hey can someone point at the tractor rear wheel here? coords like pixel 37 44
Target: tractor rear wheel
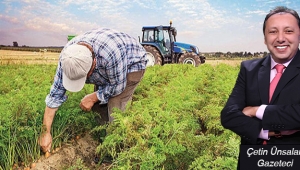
pixel 153 56
pixel 189 58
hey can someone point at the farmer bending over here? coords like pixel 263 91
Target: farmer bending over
pixel 114 61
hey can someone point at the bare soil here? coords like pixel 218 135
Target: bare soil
pixel 82 149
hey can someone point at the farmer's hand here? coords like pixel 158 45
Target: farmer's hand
pixel 45 141
pixel 250 111
pixel 88 101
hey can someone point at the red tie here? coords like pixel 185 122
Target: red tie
pixel 279 68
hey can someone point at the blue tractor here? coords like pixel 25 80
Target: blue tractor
pixel 162 48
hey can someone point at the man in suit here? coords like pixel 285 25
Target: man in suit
pixel 249 112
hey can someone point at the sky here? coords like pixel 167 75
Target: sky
pixel 212 25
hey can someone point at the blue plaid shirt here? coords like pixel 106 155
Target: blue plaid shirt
pixel 116 55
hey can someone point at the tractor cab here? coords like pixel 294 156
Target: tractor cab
pixel 162 38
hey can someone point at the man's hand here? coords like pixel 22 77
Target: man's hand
pixel 88 101
pixel 250 111
pixel 45 141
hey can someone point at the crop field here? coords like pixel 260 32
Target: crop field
pixel 29 57
pixel 172 122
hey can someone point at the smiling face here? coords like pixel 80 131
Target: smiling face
pixel 282 36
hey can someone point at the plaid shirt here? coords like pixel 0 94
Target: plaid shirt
pixel 116 55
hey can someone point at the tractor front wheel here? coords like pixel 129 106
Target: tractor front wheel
pixel 189 58
pixel 153 56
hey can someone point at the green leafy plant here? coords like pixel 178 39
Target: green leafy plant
pixel 173 121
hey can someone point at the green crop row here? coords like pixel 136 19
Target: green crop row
pixel 173 121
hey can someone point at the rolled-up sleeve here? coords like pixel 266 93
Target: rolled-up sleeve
pixel 57 92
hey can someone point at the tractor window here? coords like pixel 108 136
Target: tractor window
pixel 167 40
pixel 160 35
pixel 148 36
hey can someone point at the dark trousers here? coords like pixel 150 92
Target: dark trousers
pixel 119 101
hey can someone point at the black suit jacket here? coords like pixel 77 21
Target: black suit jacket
pixel 252 89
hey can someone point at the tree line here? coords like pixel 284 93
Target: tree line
pixel 235 55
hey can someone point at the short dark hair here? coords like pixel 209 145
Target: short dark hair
pixel 281 9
